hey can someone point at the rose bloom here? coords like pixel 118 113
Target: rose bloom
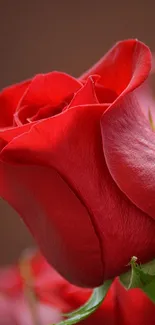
pixel 54 296
pixel 77 164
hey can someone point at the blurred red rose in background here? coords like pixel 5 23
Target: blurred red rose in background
pixel 87 197
pixel 53 295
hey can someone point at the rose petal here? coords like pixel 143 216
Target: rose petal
pixel 9 98
pixel 46 111
pixel 50 88
pixel 129 144
pixel 86 95
pixel 9 134
pixel 121 64
pixel 104 95
pixel 45 89
pixel 54 215
pixel 146 95
pixel 129 148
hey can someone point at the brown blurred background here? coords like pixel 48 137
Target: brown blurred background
pixel 42 35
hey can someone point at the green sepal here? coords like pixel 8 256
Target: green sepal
pixel 141 276
pixel 89 307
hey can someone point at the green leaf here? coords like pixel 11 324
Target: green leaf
pixel 141 276
pixel 89 307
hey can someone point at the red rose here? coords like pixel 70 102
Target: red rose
pixel 87 199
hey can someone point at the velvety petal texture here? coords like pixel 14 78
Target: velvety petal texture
pixel 78 166
pixel 43 193
pixel 129 147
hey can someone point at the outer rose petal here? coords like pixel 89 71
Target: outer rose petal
pixel 129 148
pixel 146 95
pixel 9 99
pixel 146 99
pixel 121 64
pixel 54 215
pixel 71 143
pixel 8 134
